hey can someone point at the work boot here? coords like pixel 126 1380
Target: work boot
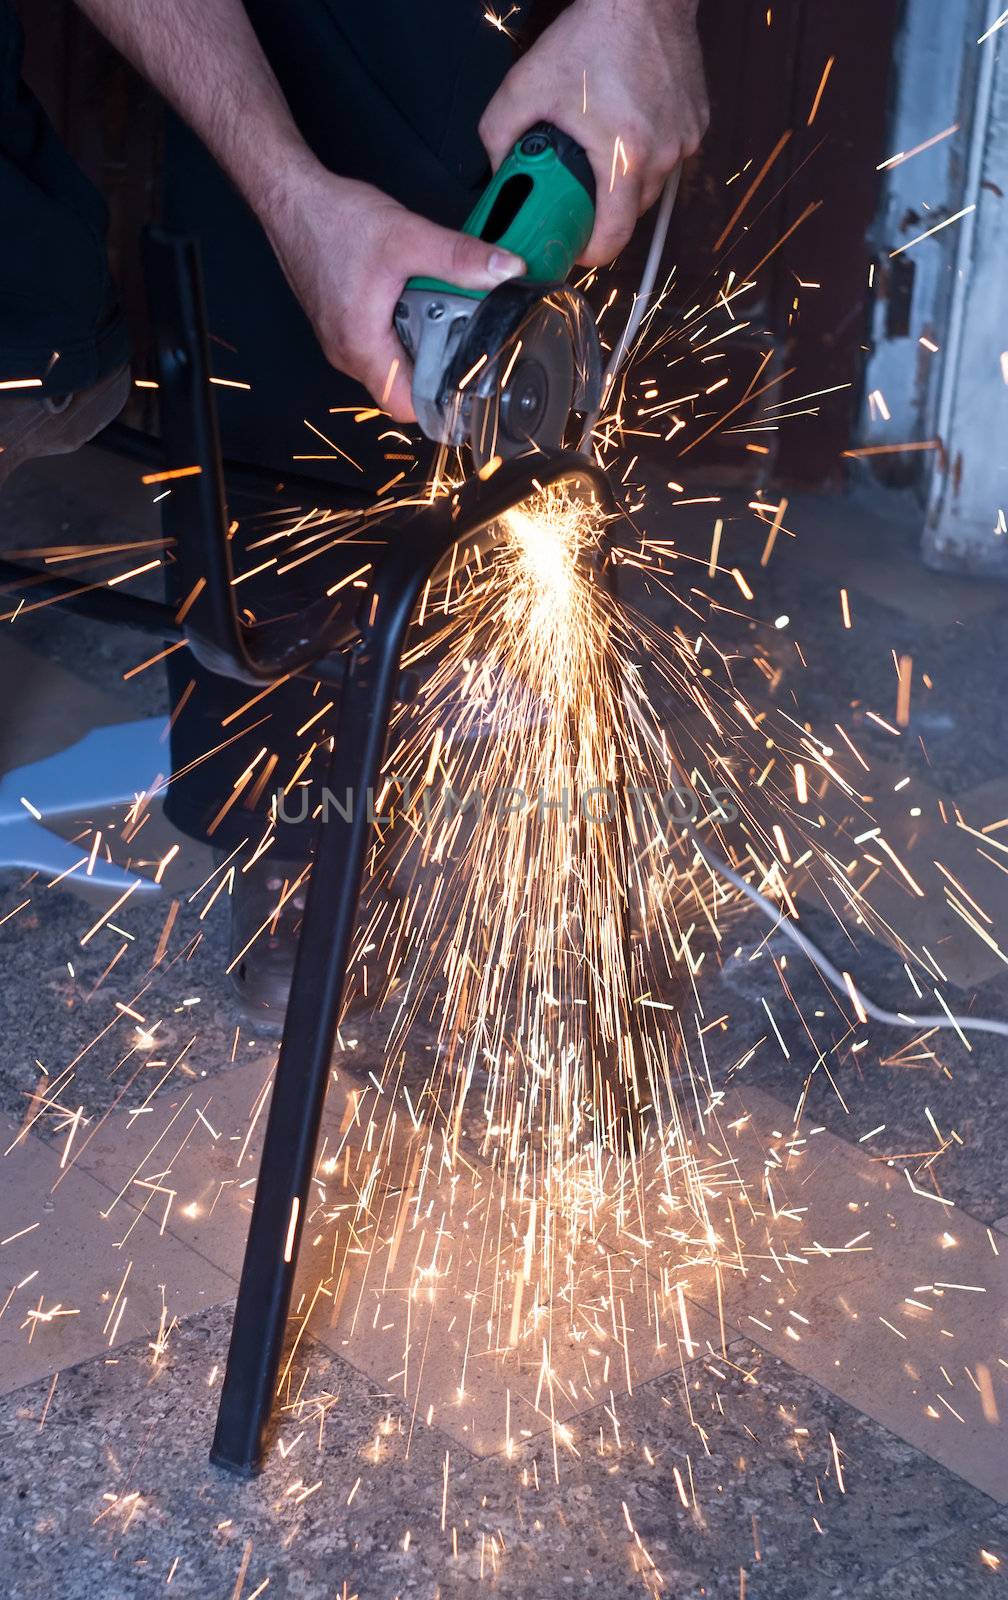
pixel 48 425
pixel 261 977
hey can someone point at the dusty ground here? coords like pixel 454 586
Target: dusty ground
pixel 105 1488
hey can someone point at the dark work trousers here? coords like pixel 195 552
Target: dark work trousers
pixel 389 93
pixel 59 316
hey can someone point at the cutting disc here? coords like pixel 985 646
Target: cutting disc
pixel 524 401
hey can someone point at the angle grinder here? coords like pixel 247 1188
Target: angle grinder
pixel 504 369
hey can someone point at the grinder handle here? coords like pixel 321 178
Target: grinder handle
pixel 539 204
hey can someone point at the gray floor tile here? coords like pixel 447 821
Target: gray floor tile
pixel 113 1492
pixel 971 1562
pixel 75 1279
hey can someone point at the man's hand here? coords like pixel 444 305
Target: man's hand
pixel 347 250
pixel 623 77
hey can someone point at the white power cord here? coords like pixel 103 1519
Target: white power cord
pixel 898 1019
pixel 640 304
pixel 832 974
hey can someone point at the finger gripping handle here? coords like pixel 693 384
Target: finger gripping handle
pixel 539 204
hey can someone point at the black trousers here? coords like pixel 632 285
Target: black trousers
pixel 388 93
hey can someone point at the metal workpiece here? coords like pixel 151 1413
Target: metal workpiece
pixel 372 673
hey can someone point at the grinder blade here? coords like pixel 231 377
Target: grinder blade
pixel 529 406
pixel 526 359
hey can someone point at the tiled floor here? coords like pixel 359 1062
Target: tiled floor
pixel 833 1428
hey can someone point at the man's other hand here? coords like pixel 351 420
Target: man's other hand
pixel 347 251
pixel 623 77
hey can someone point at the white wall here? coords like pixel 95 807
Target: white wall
pixel 960 283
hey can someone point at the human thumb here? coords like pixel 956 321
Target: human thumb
pixel 458 258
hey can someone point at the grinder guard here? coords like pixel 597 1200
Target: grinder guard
pixel 520 327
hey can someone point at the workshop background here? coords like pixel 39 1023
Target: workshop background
pixel 899 69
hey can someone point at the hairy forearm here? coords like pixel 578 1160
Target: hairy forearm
pixel 345 247
pixel 204 58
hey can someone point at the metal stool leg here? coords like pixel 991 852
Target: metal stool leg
pixel 288 1157
pixel 302 1073
pixel 615 1076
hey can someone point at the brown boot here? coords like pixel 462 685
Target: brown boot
pixel 47 426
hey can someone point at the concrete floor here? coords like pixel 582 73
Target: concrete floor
pixel 817 1438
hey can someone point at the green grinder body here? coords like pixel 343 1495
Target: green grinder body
pixel 503 368
pixel 540 205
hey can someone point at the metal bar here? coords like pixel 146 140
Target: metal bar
pixel 288 1158
pixel 241 476
pixel 623 1081
pixel 302 1075
pixel 93 600
pixel 195 515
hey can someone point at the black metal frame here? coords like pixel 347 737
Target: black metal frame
pixel 357 645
